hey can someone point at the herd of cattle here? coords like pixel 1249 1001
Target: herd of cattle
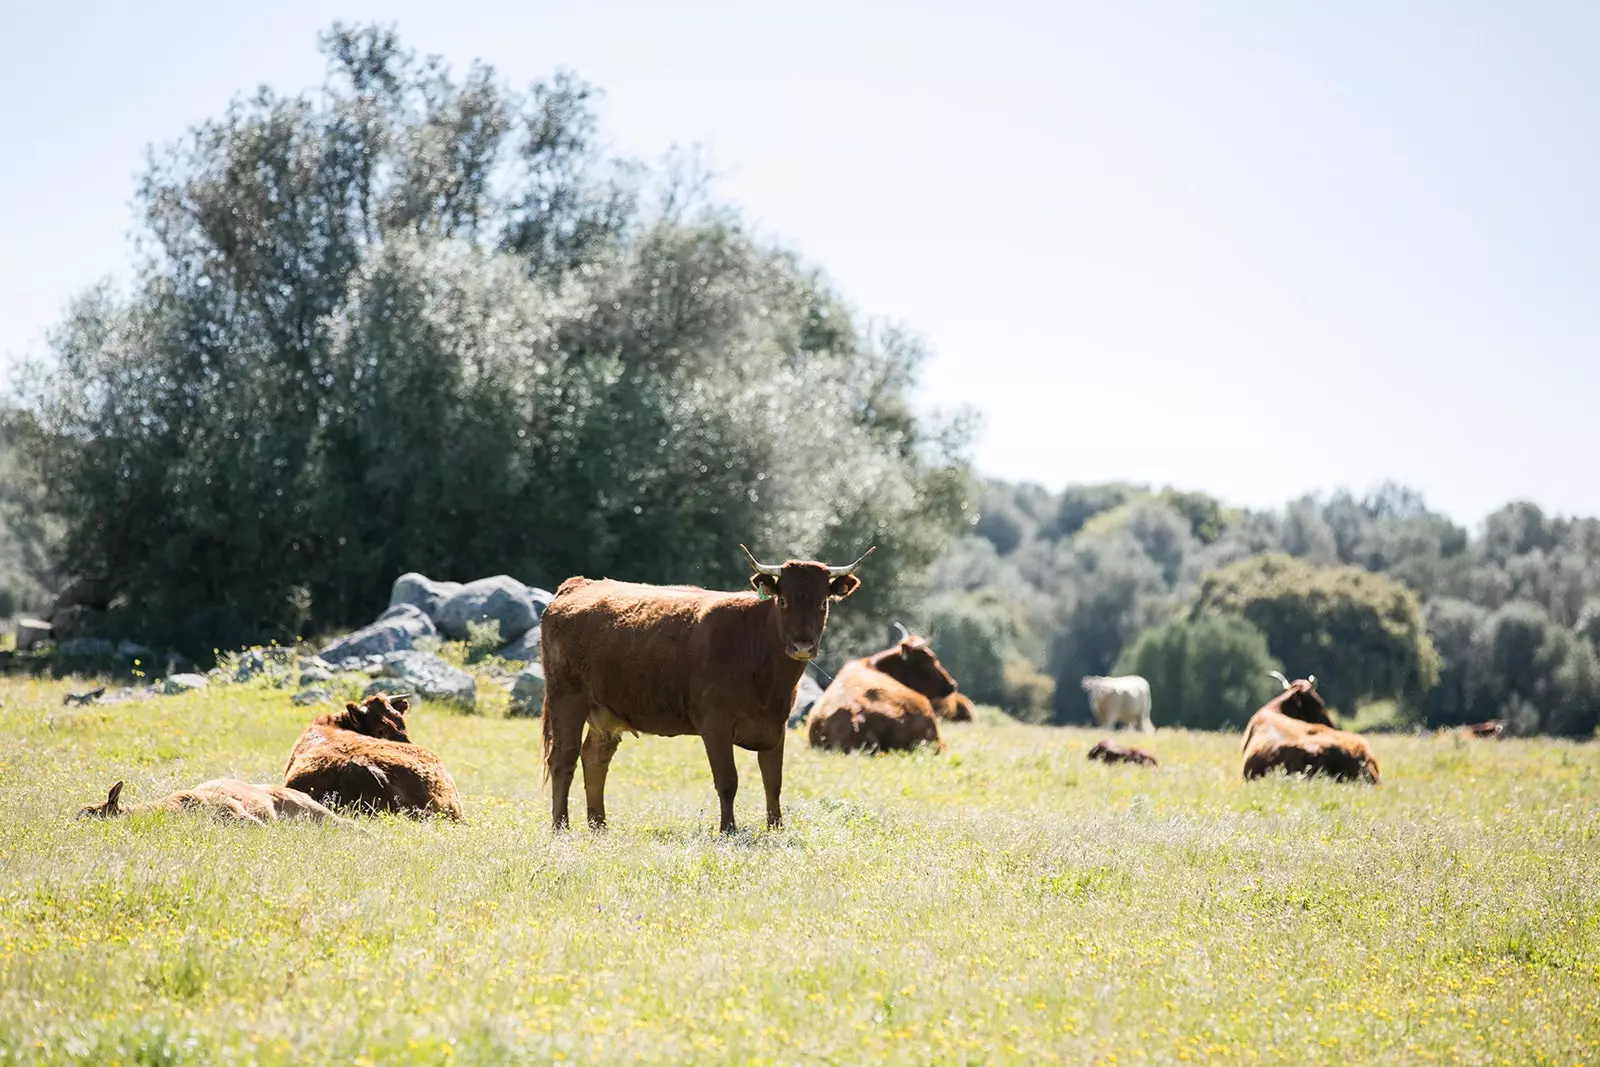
pixel 623 658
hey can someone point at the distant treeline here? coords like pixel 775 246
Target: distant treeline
pixel 421 321
pixel 1379 597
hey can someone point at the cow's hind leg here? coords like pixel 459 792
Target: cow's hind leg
pixel 598 748
pixel 564 719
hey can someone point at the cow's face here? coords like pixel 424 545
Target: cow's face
pixel 913 664
pixel 378 716
pixel 108 810
pixel 800 592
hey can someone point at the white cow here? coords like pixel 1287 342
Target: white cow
pixel 1123 700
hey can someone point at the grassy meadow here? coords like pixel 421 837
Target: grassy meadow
pixel 1004 902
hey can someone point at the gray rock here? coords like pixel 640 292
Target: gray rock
pixel 500 599
pixel 524 649
pixel 254 662
pixel 71 621
pixel 134 650
pixel 311 696
pixel 422 592
pixel 807 693
pixel 541 599
pixel 183 683
pixel 426 676
pixel 315 662
pixel 31 633
pixel 315 676
pixel 126 693
pixel 86 648
pixel 400 631
pixel 527 692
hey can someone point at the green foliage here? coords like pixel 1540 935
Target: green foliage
pixel 483 640
pixel 978 639
pixel 1363 635
pixel 419 322
pixel 1205 673
pixel 28 533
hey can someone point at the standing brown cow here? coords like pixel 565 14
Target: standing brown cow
pixel 1293 732
pixel 674 660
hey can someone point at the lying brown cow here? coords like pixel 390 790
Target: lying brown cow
pixel 362 757
pixel 884 702
pixel 228 799
pixel 1111 752
pixel 1293 731
pixel 954 708
pixel 1492 728
pixel 674 660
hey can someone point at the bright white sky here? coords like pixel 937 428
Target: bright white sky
pixel 1256 249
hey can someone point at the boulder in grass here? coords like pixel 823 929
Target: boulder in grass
pixel 527 693
pixel 307 697
pixel 31 633
pixel 807 693
pixel 524 649
pixel 422 592
pixel 183 683
pixel 399 630
pixel 426 676
pixel 501 599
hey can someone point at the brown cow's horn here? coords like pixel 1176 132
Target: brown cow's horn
pixel 761 568
pixel 1279 677
pixel 1312 679
pixel 905 634
pixel 840 572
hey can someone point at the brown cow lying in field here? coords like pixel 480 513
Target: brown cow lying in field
pixel 1492 728
pixel 362 757
pixel 228 799
pixel 884 701
pixel 957 707
pixel 1293 731
pixel 1111 752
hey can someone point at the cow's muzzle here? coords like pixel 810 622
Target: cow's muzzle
pixel 804 651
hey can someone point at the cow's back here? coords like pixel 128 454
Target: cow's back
pixel 639 650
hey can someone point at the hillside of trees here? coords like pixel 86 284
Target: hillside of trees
pixel 416 320
pixel 1379 597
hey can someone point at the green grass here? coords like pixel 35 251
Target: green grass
pixel 1004 902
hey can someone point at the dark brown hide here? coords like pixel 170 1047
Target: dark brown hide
pixel 954 708
pixel 863 708
pixel 361 757
pixel 228 799
pixel 913 664
pixel 1111 752
pixel 1273 740
pixel 675 660
pixel 1300 701
pixel 1492 728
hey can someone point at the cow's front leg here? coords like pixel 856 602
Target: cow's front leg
pixel 771 763
pixel 719 750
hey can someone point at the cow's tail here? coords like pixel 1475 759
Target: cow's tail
pixel 549 738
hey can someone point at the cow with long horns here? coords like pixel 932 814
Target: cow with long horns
pixel 621 657
pixel 1293 732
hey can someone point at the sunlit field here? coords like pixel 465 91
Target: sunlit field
pixel 1004 902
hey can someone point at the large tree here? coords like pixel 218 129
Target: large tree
pixel 1362 634
pixel 416 321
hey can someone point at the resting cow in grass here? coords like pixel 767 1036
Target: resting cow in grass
pixel 228 799
pixel 621 657
pixel 362 757
pixel 1123 700
pixel 884 702
pixel 1111 752
pixel 1293 732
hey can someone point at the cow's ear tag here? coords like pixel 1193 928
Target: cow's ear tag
pixel 762 593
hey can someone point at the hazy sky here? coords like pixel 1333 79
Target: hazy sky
pixel 1257 249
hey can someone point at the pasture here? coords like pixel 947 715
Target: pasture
pixel 1004 902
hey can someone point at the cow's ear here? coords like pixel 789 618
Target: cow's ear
pixel 400 704
pixel 112 797
pixel 765 585
pixel 905 649
pixel 843 586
